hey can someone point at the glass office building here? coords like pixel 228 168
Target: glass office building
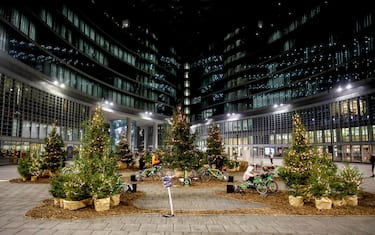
pixel 57 64
pixel 320 63
pixel 58 61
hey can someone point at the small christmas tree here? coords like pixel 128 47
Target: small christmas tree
pixel 299 160
pixel 215 149
pixel 124 154
pixel 54 155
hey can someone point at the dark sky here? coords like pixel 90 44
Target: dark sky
pixel 191 24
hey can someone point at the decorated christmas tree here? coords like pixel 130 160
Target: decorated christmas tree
pixel 94 172
pixel 123 152
pixel 181 151
pixel 215 149
pixel 100 164
pixel 299 161
pixel 54 155
pixel 97 141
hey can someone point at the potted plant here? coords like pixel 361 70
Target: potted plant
pixel 322 174
pixel 101 190
pixel 23 168
pixel 295 182
pixel 337 192
pixel 76 191
pixel 57 188
pixel 352 179
pixel 320 190
pixel 118 184
pixel 36 167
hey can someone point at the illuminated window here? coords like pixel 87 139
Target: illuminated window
pixel 187 110
pixel 345 134
pixel 187 92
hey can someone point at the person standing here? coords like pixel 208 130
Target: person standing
pixel 155 160
pixel 141 162
pixel 220 163
pixel 372 161
pixel 271 157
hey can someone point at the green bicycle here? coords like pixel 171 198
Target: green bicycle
pixel 256 184
pixel 155 172
pixel 207 173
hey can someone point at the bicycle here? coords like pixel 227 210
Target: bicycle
pixel 154 172
pixel 126 187
pixel 207 173
pixel 257 184
pixel 186 180
pixel 267 178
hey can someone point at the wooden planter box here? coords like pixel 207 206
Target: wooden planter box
pixel 115 199
pixel 74 205
pixel 102 204
pixel 351 200
pixel 296 201
pixel 323 203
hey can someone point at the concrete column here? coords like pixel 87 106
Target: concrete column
pixel 129 131
pixel 155 136
pixel 145 139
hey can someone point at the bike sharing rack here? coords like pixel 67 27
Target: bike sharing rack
pixel 167 183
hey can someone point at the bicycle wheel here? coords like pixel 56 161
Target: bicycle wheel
pixel 138 177
pixel 224 176
pixel 187 181
pixel 261 188
pixel 238 189
pixel 272 186
pixel 206 176
pixel 195 175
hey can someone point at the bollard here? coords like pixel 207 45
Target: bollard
pixel 132 178
pixel 230 178
pixel 134 188
pixel 230 188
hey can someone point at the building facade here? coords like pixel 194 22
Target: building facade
pixel 56 64
pixel 320 63
pixel 58 60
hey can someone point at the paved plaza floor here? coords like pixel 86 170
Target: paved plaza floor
pixel 16 199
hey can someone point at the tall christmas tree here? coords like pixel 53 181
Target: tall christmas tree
pixel 97 141
pixel 54 155
pixel 181 151
pixel 95 170
pixel 123 152
pixel 299 161
pixel 215 149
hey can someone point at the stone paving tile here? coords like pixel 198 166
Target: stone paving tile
pixel 82 232
pixel 164 228
pixel 44 232
pixel 16 199
pixel 100 233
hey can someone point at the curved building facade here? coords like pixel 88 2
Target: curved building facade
pixel 57 63
pixel 319 63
